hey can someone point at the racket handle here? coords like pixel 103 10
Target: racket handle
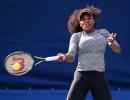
pixel 52 58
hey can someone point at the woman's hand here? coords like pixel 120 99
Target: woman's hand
pixel 61 57
pixel 65 57
pixel 114 46
pixel 111 39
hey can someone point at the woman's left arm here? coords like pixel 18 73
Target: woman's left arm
pixel 113 44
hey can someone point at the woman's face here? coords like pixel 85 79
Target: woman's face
pixel 87 23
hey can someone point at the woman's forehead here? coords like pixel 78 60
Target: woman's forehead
pixel 86 15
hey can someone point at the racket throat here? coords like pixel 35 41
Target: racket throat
pixel 40 62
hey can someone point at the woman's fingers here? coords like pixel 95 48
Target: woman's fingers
pixel 111 38
pixel 61 57
pixel 113 35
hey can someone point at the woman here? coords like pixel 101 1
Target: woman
pixel 89 43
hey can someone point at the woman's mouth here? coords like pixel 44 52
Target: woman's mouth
pixel 87 25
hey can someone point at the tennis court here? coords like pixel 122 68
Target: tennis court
pixel 52 95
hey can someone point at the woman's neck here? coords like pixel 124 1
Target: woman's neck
pixel 89 31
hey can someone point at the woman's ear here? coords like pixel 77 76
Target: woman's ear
pixel 94 22
pixel 80 23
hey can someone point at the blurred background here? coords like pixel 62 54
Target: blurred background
pixel 39 27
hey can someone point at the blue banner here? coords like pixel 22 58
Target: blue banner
pixel 40 28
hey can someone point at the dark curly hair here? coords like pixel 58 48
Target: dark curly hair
pixel 73 21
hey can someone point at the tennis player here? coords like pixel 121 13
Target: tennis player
pixel 90 44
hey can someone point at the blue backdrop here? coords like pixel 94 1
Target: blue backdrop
pixel 40 28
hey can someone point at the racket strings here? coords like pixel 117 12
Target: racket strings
pixel 28 62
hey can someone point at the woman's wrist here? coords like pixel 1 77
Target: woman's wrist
pixel 68 57
pixel 110 44
pixel 115 47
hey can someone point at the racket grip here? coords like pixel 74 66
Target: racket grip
pixel 52 58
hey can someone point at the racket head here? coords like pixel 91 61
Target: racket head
pixel 25 60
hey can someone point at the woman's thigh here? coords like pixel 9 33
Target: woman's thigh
pixel 100 88
pixel 79 87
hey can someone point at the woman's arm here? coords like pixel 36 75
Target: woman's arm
pixel 65 57
pixel 73 45
pixel 115 47
pixel 113 44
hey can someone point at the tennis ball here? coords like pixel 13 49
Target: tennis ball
pixel 16 67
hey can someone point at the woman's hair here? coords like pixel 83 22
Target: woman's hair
pixel 73 22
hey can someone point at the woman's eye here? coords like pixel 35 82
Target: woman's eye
pixel 83 19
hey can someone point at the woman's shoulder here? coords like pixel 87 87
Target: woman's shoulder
pixel 104 32
pixel 78 34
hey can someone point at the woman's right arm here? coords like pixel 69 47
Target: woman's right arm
pixel 65 57
pixel 73 45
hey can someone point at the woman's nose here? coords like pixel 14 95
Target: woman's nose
pixel 86 21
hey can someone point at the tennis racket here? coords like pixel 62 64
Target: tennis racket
pixel 20 62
